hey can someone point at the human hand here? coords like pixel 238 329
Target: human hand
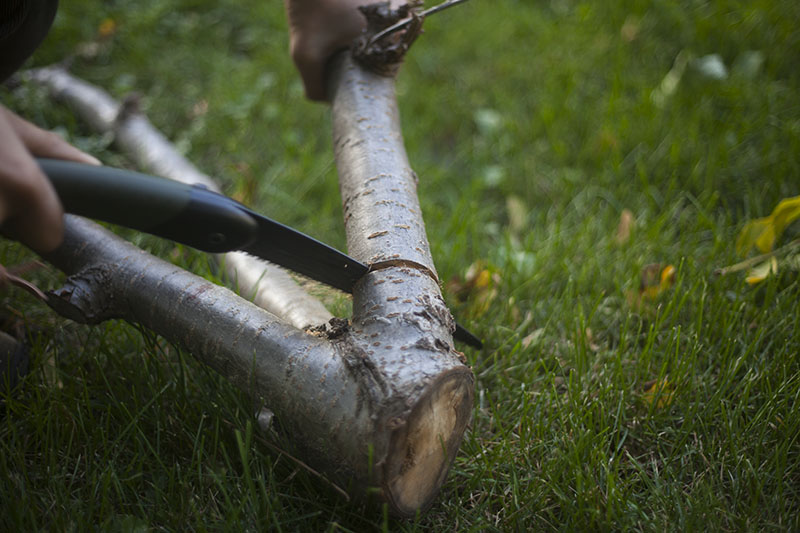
pixel 317 30
pixel 30 210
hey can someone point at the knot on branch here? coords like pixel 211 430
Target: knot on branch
pixel 130 106
pixel 83 299
pixel 381 49
pixel 334 328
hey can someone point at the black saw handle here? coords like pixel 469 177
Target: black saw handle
pixel 188 214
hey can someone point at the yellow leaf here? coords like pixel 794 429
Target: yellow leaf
pixel 787 211
pixel 655 280
pixel 660 391
pixel 667 277
pixel 479 286
pixel 107 28
pixel 763 232
pixel 763 271
pixel 766 240
pixel 750 233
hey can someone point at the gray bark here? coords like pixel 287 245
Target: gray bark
pixel 381 402
pixel 399 303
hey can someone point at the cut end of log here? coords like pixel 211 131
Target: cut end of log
pixel 423 449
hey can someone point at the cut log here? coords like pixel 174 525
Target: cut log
pixel 399 301
pixel 342 406
pixel 379 403
pixel 357 411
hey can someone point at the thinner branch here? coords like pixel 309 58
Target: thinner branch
pixel 748 263
pixel 404 23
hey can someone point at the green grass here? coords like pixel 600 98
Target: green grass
pixel 542 106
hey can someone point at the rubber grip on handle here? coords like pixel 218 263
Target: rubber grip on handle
pixel 191 215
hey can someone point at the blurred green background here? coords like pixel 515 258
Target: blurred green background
pixel 533 126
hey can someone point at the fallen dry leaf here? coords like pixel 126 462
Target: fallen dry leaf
pixel 626 222
pixel 655 279
pixel 532 337
pixel 107 28
pixel 630 28
pixel 763 232
pixel 479 287
pixel 660 391
pixel 590 340
pixel 517 214
pixel 761 272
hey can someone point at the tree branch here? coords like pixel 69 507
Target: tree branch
pixel 399 303
pixel 382 402
pixel 266 284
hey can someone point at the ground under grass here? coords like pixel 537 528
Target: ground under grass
pixel 562 147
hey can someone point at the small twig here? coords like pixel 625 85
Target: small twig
pixel 9 275
pixel 404 23
pixel 747 263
